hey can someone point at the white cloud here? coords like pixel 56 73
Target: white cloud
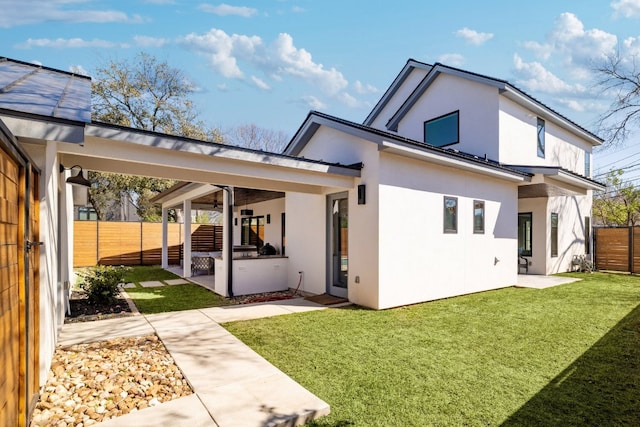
pixel 452 59
pixel 281 58
pixel 20 12
pixel 349 100
pixel 145 41
pixel 226 10
pixel 297 9
pixel 260 83
pixel 534 77
pixel 363 89
pixel 67 43
pixel 632 46
pixel 473 37
pixel 79 69
pixel 222 87
pixel 626 8
pixel 313 103
pixel 580 46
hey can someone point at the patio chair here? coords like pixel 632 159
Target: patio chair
pixel 523 263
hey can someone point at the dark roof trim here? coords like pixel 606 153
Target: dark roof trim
pixel 559 171
pixel 393 88
pixel 316 119
pixel 502 85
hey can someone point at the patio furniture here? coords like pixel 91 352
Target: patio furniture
pixel 202 264
pixel 523 263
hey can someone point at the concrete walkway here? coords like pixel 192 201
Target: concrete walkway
pixel 233 385
pixel 537 281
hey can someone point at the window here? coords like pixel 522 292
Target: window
pixel 540 138
pixel 525 221
pixel 443 130
pixel 87 214
pixel 478 217
pixel 252 232
pixel 450 214
pixel 587 235
pixel 587 164
pixel 554 234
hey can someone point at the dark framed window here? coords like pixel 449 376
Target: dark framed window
pixel 587 235
pixel 478 217
pixel 450 214
pixel 252 232
pixel 587 164
pixel 541 131
pixel 554 234
pixel 443 130
pixel 525 226
pixel 87 214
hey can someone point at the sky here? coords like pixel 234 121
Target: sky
pixel 269 62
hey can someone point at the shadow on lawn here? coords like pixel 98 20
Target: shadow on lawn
pixel 602 387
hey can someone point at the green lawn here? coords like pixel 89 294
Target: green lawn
pixel 568 355
pixel 168 298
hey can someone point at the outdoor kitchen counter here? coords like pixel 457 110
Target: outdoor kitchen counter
pixel 253 275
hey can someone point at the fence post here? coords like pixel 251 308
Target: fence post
pixel 97 241
pixel 630 228
pixel 141 236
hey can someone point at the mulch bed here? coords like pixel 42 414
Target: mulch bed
pixel 83 310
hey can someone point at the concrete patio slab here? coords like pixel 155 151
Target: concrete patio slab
pixel 541 282
pixel 101 330
pixel 184 412
pixel 177 282
pixel 128 285
pixel 151 284
pixel 234 313
pixel 177 319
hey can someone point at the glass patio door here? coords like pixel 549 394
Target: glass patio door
pixel 338 244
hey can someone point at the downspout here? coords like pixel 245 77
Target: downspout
pixel 229 255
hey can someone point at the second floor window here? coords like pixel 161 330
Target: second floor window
pixel 443 130
pixel 587 164
pixel 540 138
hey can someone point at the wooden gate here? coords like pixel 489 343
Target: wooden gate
pixel 19 284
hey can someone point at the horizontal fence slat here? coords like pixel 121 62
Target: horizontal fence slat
pixel 136 243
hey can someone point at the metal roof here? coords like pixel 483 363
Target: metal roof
pixel 31 88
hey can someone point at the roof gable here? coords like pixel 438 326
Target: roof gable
pixel 504 87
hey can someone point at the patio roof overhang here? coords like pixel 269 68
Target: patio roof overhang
pixel 108 148
pixel 555 181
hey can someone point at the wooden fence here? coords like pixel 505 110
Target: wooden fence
pixel 617 248
pixel 137 243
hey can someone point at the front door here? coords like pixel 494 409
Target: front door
pixel 338 222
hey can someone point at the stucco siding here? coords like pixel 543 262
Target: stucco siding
pixel 518 141
pixel 571 234
pixel 419 262
pixel 478 106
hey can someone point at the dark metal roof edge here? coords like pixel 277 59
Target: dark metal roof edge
pixel 447 152
pixel 234 147
pixel 30 64
pixel 41 117
pixel 393 88
pixel 559 168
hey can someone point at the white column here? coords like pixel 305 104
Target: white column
pixel 227 250
pixel 186 253
pixel 165 238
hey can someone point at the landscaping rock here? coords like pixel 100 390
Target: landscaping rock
pixel 90 383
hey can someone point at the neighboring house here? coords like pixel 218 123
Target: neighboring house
pixel 448 179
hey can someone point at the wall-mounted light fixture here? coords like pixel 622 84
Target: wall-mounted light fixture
pixel 79 179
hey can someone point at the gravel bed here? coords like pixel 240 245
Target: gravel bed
pixel 90 383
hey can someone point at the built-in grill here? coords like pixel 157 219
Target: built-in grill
pixel 245 251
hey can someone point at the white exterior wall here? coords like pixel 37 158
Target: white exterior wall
pixel 307 220
pixel 272 231
pixel 519 140
pixel 403 92
pixel 57 233
pixel 478 106
pixel 571 234
pixel 419 262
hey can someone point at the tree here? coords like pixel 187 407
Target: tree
pixel 145 94
pixel 620 77
pixel 257 138
pixel 619 204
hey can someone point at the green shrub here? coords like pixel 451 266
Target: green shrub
pixel 101 282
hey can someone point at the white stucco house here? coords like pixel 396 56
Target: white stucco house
pixel 449 179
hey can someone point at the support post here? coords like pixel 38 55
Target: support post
pixel 165 237
pixel 186 260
